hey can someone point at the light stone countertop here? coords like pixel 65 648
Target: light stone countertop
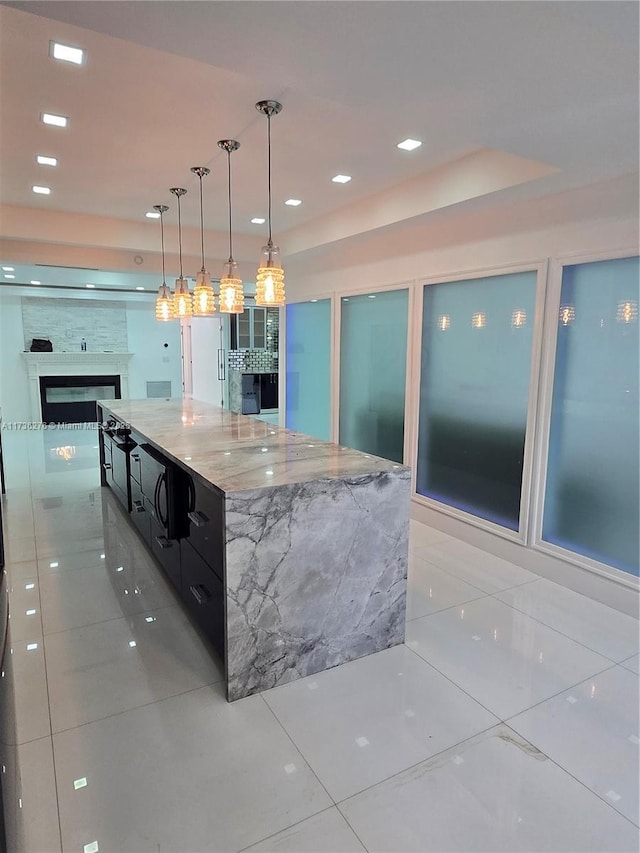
pixel 237 452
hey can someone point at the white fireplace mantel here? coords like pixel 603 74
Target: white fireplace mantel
pixel 74 364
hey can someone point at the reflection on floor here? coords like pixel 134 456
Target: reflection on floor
pixel 508 721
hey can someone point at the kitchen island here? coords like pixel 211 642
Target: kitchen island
pixel 291 552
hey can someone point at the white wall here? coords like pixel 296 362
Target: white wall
pixel 152 360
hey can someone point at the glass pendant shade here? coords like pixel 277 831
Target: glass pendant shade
pixel 164 304
pixel 204 302
pixel 270 278
pixel 231 293
pixel 182 304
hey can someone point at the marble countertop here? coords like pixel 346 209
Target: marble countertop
pixel 237 452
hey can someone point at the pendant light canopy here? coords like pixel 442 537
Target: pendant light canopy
pixel 182 304
pixel 204 303
pixel 164 301
pixel 231 293
pixel 270 278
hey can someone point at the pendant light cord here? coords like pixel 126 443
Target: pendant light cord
pixel 201 224
pixel 164 280
pixel 269 171
pixel 230 236
pixel 179 234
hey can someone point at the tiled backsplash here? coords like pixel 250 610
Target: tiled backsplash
pixel 260 360
pixel 65 322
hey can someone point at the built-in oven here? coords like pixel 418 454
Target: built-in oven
pixel 118 445
pixel 164 497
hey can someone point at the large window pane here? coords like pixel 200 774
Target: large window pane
pixel 309 368
pixel 591 503
pixel 373 363
pixel 474 390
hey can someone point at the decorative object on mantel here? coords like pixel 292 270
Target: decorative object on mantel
pixel 41 345
pixel 164 302
pixel 270 278
pixel 182 305
pixel 231 292
pixel 204 303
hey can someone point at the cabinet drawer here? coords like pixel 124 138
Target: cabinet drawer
pixel 136 471
pixel 203 594
pixel 206 526
pixel 166 551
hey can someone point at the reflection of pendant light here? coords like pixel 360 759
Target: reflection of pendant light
pixel 627 311
pixel 231 299
pixel 182 306
pixel 204 303
pixel 444 322
pixel 164 302
pixel 270 278
pixel 479 320
pixel 567 314
pixel 518 318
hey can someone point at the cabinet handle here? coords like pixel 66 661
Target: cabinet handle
pixel 200 593
pixel 135 456
pixel 198 518
pixel 163 542
pixel 138 506
pixel 106 465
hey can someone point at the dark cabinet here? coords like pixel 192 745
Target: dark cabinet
pixel 203 592
pixel 166 551
pixel 206 525
pixel 268 391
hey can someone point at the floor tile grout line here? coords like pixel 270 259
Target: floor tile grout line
pixel 557 630
pixel 448 607
pixel 286 829
pixel 569 773
pixel 111 619
pixel 304 757
pixel 137 707
pixel 524 710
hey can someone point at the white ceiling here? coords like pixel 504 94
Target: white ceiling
pixel 554 83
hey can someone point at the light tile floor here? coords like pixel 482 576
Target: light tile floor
pixel 507 722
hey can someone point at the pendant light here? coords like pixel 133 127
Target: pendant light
pixel 204 303
pixel 164 301
pixel 182 305
pixel 270 278
pixel 231 298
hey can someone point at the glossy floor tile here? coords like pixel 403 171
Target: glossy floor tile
pixel 430 589
pixel 503 658
pixel 147 755
pixel 494 793
pixel 318 834
pixel 98 593
pixel 146 657
pixel 193 772
pixel 479 568
pixel 362 722
pixel 593 731
pixel 600 628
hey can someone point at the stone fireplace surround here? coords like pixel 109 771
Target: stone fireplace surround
pixel 73 364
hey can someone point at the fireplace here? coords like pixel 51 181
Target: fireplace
pixel 77 370
pixel 72 399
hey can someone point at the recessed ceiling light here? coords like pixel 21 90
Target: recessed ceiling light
pixel 139 288
pixel 52 118
pixel 341 179
pixel 8 269
pixel 90 285
pixel 293 202
pixel 46 161
pixel 66 53
pixel 35 282
pixel 258 220
pixel 409 144
pixel 42 190
pixel 151 214
pixel 8 275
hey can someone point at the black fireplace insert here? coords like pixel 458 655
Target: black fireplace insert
pixel 72 399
